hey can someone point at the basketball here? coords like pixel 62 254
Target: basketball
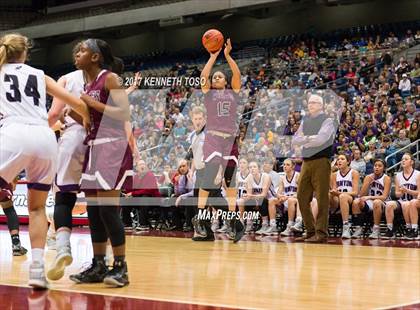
pixel 265 154
pixel 212 40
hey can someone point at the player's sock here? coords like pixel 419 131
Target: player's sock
pixel 63 238
pixel 38 255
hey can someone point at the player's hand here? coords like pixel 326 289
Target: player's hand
pixel 370 179
pixel 403 189
pixel 228 48
pixel 215 54
pixel 86 99
pixel 364 198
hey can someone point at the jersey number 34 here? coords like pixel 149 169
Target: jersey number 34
pixel 31 88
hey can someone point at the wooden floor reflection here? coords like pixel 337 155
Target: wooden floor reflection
pixel 249 274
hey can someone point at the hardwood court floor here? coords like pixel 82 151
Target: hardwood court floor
pixel 249 274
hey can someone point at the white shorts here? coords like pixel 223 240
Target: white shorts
pixel 369 203
pixel 32 148
pixel 286 204
pixel 71 154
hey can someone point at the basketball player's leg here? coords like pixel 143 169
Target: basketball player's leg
pixel 109 213
pixel 314 209
pixel 413 215
pixel 272 224
pixel 357 207
pixel 71 150
pixel 38 226
pixel 272 211
pixel 238 228
pixel 334 202
pixel 201 221
pixel 12 222
pixel 390 207
pixel 290 206
pixel 64 203
pixel 97 271
pixel 230 156
pixel 241 206
pixel 377 213
pixel 345 201
pixel 298 226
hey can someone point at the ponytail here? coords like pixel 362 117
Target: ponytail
pixel 12 46
pixel 3 55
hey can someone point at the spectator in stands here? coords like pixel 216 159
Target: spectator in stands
pixel 369 155
pixel 405 86
pixel 387 148
pixel 166 177
pixel 184 191
pixel 144 185
pixel 411 111
pixel 402 139
pixel 369 137
pixel 412 133
pixel 358 163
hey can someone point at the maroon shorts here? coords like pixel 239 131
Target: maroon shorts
pixel 108 166
pixel 220 150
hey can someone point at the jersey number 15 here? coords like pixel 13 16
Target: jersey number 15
pixel 31 88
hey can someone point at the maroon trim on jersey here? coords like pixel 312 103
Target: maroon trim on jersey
pixel 3 183
pixel 291 178
pixel 343 176
pixel 377 178
pixel 412 172
pixel 258 183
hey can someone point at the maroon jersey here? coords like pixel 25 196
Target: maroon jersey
pixel 102 126
pixel 222 106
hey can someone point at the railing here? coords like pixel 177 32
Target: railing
pixel 404 149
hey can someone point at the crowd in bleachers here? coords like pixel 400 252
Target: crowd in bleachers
pixel 379 117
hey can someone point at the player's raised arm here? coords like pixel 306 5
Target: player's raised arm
pixel 236 73
pixel 205 73
pixel 56 90
pixel 57 108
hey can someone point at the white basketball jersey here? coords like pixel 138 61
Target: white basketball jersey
pixel 257 187
pixel 344 182
pixel 75 84
pixel 409 183
pixel 290 186
pixel 377 187
pixel 241 183
pixel 22 92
